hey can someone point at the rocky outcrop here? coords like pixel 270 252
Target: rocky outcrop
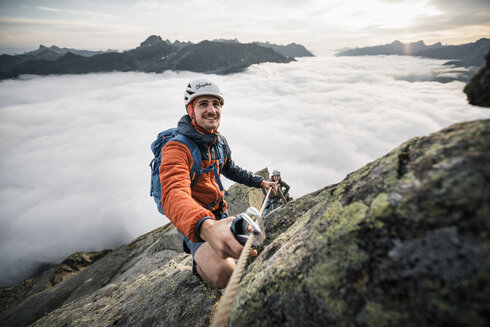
pixel 403 241
pixel 478 88
pixel 241 197
pixel 49 276
pixel 123 269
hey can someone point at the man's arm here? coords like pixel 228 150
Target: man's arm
pixel 266 185
pixel 235 173
pixel 219 236
pixel 177 202
pixel 239 175
pixel 285 185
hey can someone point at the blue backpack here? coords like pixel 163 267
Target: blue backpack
pixel 171 134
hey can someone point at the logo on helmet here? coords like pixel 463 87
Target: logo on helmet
pixel 198 86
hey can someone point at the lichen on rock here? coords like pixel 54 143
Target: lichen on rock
pixel 403 241
pixel 478 88
pixel 388 246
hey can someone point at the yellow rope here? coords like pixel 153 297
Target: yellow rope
pixel 220 319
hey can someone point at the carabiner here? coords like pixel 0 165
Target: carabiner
pixel 241 222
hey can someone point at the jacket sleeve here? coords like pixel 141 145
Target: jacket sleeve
pixel 177 202
pixel 237 174
pixel 285 185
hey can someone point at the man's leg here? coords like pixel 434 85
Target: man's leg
pixel 267 208
pixel 215 270
pixel 276 204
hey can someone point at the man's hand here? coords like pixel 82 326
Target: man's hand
pixel 218 234
pixel 268 184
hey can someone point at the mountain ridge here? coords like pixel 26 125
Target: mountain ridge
pixel 402 241
pixel 152 55
pixel 469 55
pixel 53 52
pixel 463 55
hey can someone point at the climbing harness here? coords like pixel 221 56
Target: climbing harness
pixel 220 319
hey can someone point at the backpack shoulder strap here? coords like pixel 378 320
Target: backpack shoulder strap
pixel 220 148
pixel 196 156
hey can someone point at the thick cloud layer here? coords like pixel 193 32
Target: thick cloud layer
pixel 75 149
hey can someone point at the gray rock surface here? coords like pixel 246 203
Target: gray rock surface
pixel 478 88
pixel 403 241
pixel 241 197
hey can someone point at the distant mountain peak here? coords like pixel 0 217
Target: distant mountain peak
pixel 291 50
pixel 235 41
pixel 151 41
pixel 152 55
pixel 464 55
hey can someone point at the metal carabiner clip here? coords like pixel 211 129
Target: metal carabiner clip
pixel 242 221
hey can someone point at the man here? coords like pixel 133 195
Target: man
pixel 200 213
pixel 274 200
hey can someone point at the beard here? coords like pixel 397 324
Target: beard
pixel 209 122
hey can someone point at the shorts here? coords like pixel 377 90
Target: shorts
pixel 191 247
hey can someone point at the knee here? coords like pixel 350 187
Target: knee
pixel 222 275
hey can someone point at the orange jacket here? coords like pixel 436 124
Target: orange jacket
pixel 186 208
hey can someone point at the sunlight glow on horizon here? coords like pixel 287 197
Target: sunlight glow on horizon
pixel 317 25
pixel 379 13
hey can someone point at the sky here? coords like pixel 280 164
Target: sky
pixel 321 26
pixel 75 149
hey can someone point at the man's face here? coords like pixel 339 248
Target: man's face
pixel 207 113
pixel 276 177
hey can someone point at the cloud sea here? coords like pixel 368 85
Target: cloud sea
pixel 75 148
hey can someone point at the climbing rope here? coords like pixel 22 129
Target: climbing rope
pixel 284 200
pixel 265 201
pixel 220 319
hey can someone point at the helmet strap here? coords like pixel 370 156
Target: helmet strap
pixel 190 110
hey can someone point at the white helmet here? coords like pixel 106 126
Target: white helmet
pixel 199 88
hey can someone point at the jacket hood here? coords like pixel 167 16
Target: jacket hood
pixel 185 127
